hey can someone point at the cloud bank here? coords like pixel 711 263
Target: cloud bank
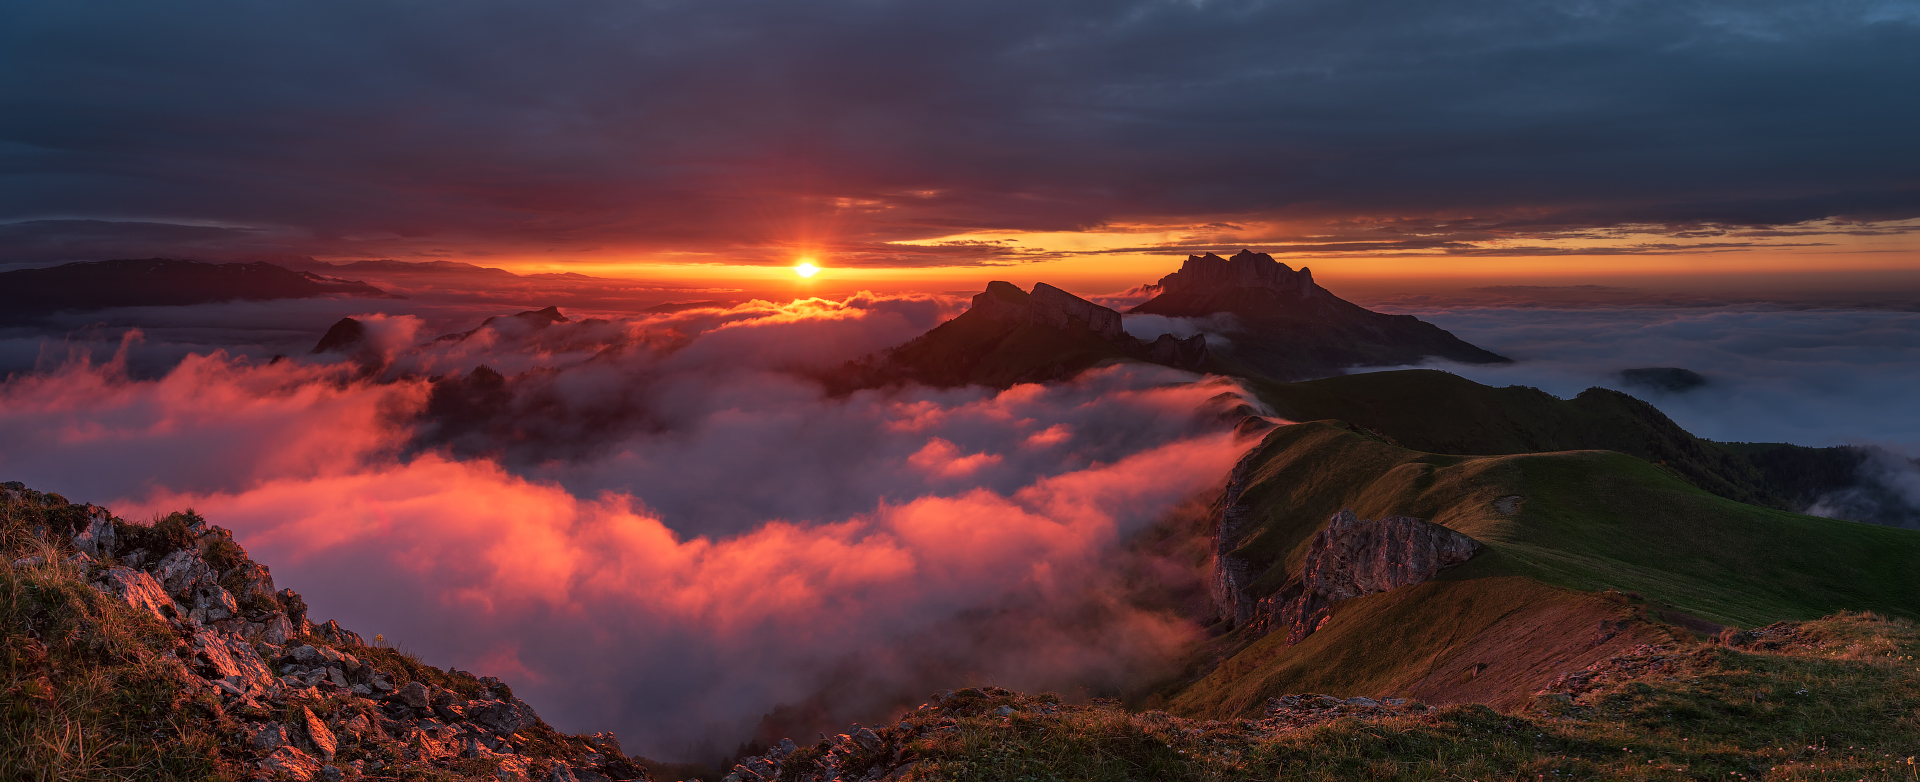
pixel 721 539
pixel 1808 377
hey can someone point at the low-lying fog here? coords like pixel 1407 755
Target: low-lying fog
pixel 663 528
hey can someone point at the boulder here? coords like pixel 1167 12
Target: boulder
pixel 210 602
pixel 230 659
pixel 290 762
pixel 413 695
pixel 181 571
pixel 318 734
pixel 98 539
pixel 140 591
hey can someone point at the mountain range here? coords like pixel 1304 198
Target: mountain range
pixel 30 294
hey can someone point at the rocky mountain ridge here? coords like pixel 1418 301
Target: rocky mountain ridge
pixel 286 698
pixel 1290 328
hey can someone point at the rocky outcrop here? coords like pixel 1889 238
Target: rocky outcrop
pixel 1246 269
pixel 1350 557
pixel 1004 302
pixel 1233 574
pixel 1189 353
pixel 1353 557
pixel 344 336
pixel 1289 328
pixel 296 700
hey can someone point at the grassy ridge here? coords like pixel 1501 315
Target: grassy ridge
pixel 1588 520
pixel 1438 412
pixel 1570 536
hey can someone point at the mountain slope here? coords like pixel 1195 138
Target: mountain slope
pixel 1586 552
pixel 1439 412
pixel 30 293
pixel 1010 336
pixel 161 651
pixel 1291 328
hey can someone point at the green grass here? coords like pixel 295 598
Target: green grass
pixel 1588 520
pixel 1438 412
pixel 1843 706
pixel 1598 537
pixel 85 687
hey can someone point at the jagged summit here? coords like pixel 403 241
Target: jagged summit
pixel 345 335
pixel 1004 302
pixel 1246 269
pixel 531 320
pixel 1293 329
pixel 1012 336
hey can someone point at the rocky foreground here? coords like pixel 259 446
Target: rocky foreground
pixel 232 678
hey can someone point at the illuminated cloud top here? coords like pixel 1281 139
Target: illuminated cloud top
pixel 751 131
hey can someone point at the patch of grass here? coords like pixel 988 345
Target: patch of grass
pixel 87 689
pixel 1841 706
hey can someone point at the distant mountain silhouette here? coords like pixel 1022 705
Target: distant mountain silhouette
pixel 1292 328
pixel 1011 336
pixel 533 320
pixel 28 294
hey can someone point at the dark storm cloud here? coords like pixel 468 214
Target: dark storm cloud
pixel 439 128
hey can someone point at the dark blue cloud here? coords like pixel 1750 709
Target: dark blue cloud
pixel 441 127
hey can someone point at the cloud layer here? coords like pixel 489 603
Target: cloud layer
pixel 732 540
pixel 1808 377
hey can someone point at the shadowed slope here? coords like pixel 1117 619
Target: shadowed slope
pixel 1010 336
pixel 1293 328
pixel 30 293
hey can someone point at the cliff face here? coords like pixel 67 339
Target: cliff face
pixel 250 687
pixel 1246 269
pixel 1351 557
pixel 1003 302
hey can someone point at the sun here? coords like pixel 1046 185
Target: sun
pixel 806 269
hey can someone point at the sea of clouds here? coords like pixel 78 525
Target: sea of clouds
pixel 669 528
pixel 1815 377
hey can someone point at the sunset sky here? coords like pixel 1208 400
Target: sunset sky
pixel 935 145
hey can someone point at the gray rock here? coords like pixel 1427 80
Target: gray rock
pixel 269 737
pixel 181 571
pixel 99 538
pixel 1353 557
pixel 414 695
pixel 140 591
pixel 290 762
pixel 317 733
pixel 210 602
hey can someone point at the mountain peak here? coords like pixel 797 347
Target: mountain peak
pixel 1246 269
pixel 1004 302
